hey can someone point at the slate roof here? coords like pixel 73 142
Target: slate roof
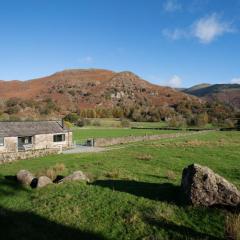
pixel 18 129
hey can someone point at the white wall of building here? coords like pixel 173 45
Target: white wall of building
pixel 40 141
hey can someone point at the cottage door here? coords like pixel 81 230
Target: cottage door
pixel 21 143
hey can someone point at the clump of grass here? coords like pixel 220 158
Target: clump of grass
pixel 53 171
pixel 132 218
pixel 145 157
pixel 232 227
pixel 59 167
pixel 170 175
pixel 112 174
pixel 157 214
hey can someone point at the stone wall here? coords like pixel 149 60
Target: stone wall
pixel 46 141
pixel 10 145
pixel 15 156
pixel 41 141
pixel 103 142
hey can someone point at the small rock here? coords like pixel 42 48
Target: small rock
pixel 204 187
pixel 76 176
pixel 25 177
pixel 43 181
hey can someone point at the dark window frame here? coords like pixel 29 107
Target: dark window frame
pixel 2 143
pixel 59 138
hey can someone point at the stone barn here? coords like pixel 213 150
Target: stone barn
pixel 33 135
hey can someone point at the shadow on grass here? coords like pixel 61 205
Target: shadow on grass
pixel 24 225
pixel 9 186
pixel 27 226
pixel 178 231
pixel 155 191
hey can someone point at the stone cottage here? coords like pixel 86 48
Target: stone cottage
pixel 34 135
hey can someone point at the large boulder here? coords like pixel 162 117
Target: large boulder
pixel 43 181
pixel 25 177
pixel 204 187
pixel 76 176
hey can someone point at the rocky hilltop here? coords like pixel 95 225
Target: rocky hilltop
pixel 78 90
pixel 92 88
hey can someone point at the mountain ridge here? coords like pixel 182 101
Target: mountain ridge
pixel 224 93
pixel 97 92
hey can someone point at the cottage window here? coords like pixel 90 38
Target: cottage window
pixel 59 138
pixel 1 141
pixel 27 140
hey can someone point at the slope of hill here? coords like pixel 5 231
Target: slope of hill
pixel 83 89
pixel 225 93
pixel 198 87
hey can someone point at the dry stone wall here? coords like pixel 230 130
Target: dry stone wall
pixel 104 142
pixel 15 156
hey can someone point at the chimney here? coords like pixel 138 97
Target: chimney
pixel 62 123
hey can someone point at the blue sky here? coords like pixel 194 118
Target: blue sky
pixel 168 42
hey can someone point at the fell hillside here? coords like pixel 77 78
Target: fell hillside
pixel 93 88
pixel 224 93
pixel 198 87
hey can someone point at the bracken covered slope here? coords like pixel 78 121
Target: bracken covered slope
pixel 224 93
pixel 93 88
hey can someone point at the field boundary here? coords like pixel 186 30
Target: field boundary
pixel 9 157
pixel 104 142
pixel 176 129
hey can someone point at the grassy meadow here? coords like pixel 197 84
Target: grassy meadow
pixel 134 193
pixel 116 123
pixel 85 133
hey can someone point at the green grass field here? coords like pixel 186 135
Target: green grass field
pixel 84 133
pixel 135 193
pixel 116 123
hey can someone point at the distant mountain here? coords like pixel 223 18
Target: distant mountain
pixel 224 93
pixel 76 89
pixel 198 87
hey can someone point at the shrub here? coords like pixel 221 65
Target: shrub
pixel 12 102
pixel 228 123
pixel 117 112
pixel 12 110
pixel 201 120
pixel 72 92
pixel 177 121
pixel 14 118
pixel 83 122
pixel 96 123
pixel 125 122
pixel 71 117
pixel 68 124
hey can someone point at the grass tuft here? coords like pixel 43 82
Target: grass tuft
pixel 170 175
pixel 53 171
pixel 232 227
pixel 145 157
pixel 112 174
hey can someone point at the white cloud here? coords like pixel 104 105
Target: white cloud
pixel 206 29
pixel 235 80
pixel 171 6
pixel 86 60
pixel 209 28
pixel 175 82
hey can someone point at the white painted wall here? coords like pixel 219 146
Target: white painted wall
pixel 46 141
pixel 40 141
pixel 10 145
